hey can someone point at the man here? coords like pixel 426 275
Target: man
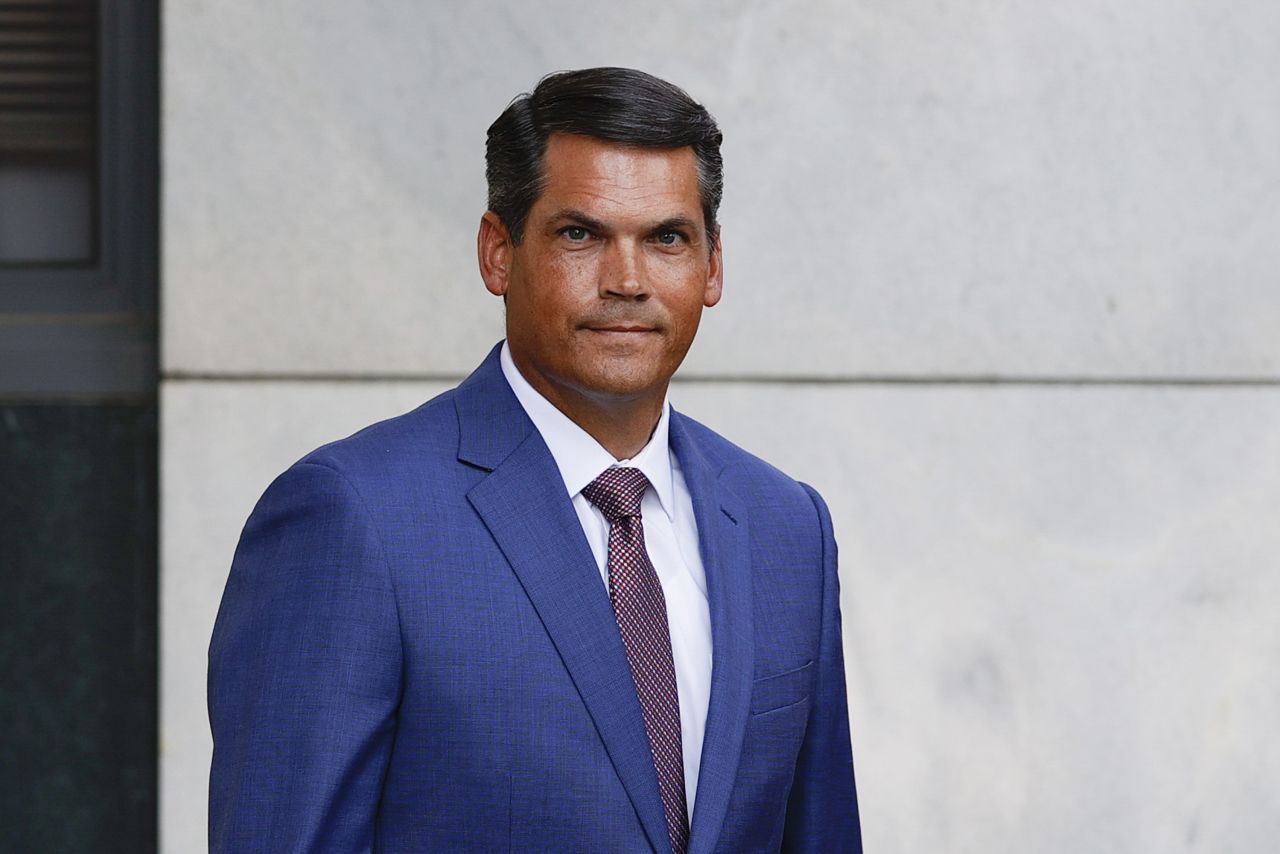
pixel 544 611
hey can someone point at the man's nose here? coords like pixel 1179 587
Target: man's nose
pixel 622 273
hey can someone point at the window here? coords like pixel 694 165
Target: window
pixel 48 169
pixel 78 198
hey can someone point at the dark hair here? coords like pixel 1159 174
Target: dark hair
pixel 619 105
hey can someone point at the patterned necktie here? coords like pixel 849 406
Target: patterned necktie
pixel 641 611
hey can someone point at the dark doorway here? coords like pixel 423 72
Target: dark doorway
pixel 78 424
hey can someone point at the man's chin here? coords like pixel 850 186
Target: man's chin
pixel 629 351
pixel 623 389
pixel 622 382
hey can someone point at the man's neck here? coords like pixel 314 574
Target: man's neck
pixel 622 426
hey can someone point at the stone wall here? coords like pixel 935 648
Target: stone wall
pixel 1001 283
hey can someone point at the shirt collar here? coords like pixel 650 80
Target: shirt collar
pixel 580 457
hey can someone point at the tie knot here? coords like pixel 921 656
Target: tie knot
pixel 617 492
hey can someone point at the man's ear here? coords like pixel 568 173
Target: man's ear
pixel 493 250
pixel 715 274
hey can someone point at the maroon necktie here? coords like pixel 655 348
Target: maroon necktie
pixel 641 611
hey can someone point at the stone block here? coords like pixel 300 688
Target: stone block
pixel 912 190
pixel 1058 602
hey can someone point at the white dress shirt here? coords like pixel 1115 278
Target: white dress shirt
pixel 670 537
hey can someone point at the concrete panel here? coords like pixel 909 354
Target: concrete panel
pixel 913 187
pixel 1059 602
pixel 221 444
pixel 1059 607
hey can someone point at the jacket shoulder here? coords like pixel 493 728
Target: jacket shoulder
pixel 427 435
pixel 746 473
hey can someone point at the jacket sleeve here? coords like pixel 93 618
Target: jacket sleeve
pixel 304 673
pixel 822 811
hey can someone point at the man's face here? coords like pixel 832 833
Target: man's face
pixel 604 294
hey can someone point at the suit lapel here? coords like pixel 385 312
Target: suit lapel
pixel 722 535
pixel 523 503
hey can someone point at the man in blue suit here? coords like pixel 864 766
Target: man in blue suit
pixel 544 611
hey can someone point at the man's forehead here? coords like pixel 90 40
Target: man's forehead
pixel 580 170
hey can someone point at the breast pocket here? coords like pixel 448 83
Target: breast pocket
pixel 771 693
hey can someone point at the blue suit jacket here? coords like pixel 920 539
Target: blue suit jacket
pixel 415 653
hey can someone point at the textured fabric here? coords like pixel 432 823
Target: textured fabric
pixel 641 611
pixel 415 653
pixel 670 538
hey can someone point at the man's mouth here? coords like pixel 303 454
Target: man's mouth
pixel 619 328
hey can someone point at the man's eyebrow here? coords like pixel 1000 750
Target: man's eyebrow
pixel 673 223
pixel 676 223
pixel 574 215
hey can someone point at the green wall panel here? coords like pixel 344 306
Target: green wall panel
pixel 78 628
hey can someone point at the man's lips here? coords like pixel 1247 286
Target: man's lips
pixel 621 328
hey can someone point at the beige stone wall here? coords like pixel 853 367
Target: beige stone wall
pixel 1059 588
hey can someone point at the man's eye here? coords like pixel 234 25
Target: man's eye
pixel 669 238
pixel 575 232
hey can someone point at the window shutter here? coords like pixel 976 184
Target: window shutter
pixel 48 77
